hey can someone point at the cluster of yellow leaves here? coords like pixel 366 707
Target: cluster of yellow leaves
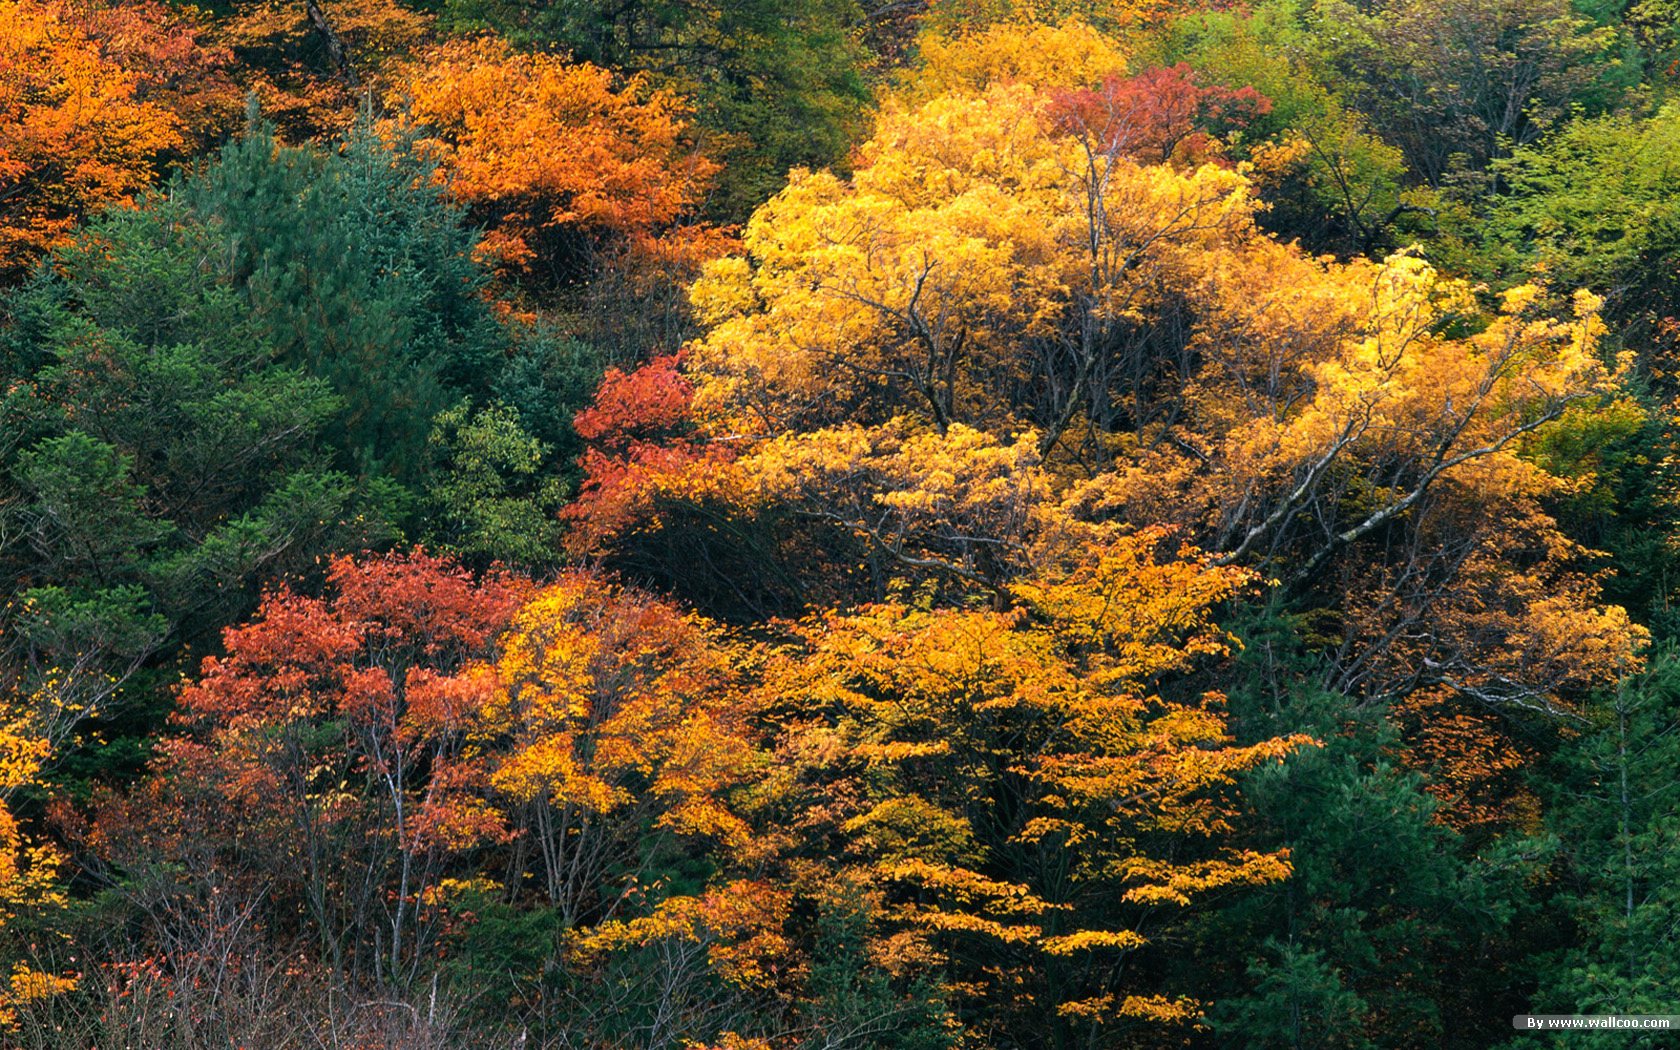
pixel 945 274
pixel 613 712
pixel 1308 362
pixel 738 926
pixel 1070 54
pixel 1356 382
pixel 958 501
pixel 22 753
pixel 28 871
pixel 1134 614
pixel 25 986
pixel 943 745
pixel 601 687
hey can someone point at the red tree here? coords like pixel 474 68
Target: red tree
pixel 641 443
pixel 346 717
pixel 1160 115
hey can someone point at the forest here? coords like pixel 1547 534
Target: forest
pixel 838 524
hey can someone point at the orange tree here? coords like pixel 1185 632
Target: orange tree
pixel 336 728
pixel 587 183
pixel 94 98
pixel 1000 807
pixel 554 157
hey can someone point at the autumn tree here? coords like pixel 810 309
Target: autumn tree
pixel 988 271
pixel 348 716
pixel 1161 115
pixel 367 773
pixel 773 84
pixel 1009 781
pixel 618 748
pixel 613 739
pixel 967 371
pixel 94 100
pixel 29 869
pixel 553 156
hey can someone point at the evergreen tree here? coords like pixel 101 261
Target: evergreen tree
pixel 1389 932
pixel 1616 815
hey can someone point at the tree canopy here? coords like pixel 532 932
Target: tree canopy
pixel 977 525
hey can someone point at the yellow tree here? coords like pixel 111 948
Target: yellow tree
pixel 28 871
pixel 999 266
pixel 612 738
pixel 1024 788
pixel 25 871
pixel 980 267
pixel 971 58
pixel 1368 423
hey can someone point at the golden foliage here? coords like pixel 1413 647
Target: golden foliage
pixel 938 277
pixel 28 871
pixel 1002 324
pixel 959 754
pixel 969 60
pixel 613 712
